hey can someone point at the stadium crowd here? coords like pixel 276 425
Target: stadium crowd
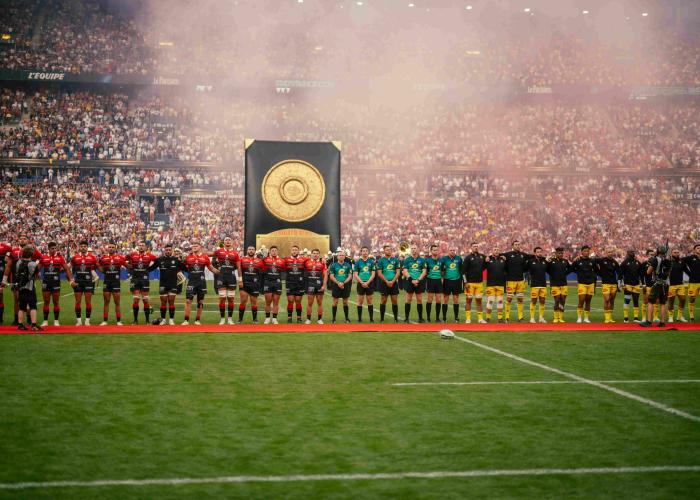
pixel 444 208
pixel 585 137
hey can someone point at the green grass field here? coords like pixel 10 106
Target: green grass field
pixel 211 307
pixel 139 407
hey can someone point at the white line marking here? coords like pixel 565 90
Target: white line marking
pixel 600 385
pixel 544 382
pixel 348 477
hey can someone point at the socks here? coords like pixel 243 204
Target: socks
pixel 579 311
pixel 508 305
pixel 395 310
pixel 444 312
pixel 171 310
pixel 455 309
pixel 370 310
pixel 162 311
pixel 428 309
pixel 222 308
pixel 520 310
pixel 334 310
pixel 479 315
pixel 407 310
pixel 346 312
pixel 290 311
pixel 359 313
pixel 420 311
pixel 241 312
pixel 382 311
pixel 541 310
pixel 56 312
pixel 146 311
pixel 78 311
pixel 532 311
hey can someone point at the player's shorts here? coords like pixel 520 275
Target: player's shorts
pixel 658 292
pixel 272 287
pixel 434 285
pixel 383 289
pixel 608 288
pixel 474 290
pixel 198 290
pixel 562 290
pixel 495 291
pixel 693 289
pixel 112 287
pixel 452 287
pixel 84 287
pixel 252 288
pixel 515 287
pixel 341 293
pixel 676 290
pixel 633 288
pixel 51 286
pixel 140 285
pixel 366 291
pixel 169 288
pixel 295 289
pixel 226 281
pixel 538 292
pixel 27 299
pixel 314 287
pixel 419 288
pixel 586 289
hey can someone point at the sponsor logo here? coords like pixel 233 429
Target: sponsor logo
pixel 35 75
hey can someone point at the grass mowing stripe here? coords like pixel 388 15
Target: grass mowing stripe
pixel 573 376
pixel 349 477
pixel 538 382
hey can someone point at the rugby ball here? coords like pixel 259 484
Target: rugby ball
pixel 447 334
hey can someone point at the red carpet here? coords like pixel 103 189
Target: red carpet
pixel 342 327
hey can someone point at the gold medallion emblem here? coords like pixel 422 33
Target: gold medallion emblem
pixel 293 190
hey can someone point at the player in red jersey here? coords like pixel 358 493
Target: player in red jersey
pixel 316 281
pixel 195 263
pixel 5 252
pixel 53 264
pixel 272 284
pixel 252 269
pixel 294 265
pixel 228 264
pixel 110 265
pixel 138 263
pixel 83 265
pixel 11 260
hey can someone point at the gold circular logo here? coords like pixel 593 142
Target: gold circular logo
pixel 293 190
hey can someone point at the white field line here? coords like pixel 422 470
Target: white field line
pixel 546 382
pixel 573 376
pixel 179 481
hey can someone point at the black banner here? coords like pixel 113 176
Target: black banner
pixel 292 185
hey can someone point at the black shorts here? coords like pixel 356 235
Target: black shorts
pixel 314 287
pixel 226 281
pixel 383 289
pixel 366 291
pixel 112 286
pixel 51 286
pixel 252 288
pixel 169 288
pixel 140 284
pixel 452 287
pixel 341 293
pixel 27 300
pixel 272 287
pixel 419 288
pixel 296 289
pixel 196 289
pixel 658 292
pixel 84 287
pixel 434 285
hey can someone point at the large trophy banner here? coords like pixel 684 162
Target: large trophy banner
pixel 292 194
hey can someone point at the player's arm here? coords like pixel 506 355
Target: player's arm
pixel 211 267
pixel 69 274
pixel 8 267
pixel 381 275
pixel 424 272
pixel 325 278
pixel 348 280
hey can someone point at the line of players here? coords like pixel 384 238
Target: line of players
pixel 497 275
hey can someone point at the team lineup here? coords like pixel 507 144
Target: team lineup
pixel 651 284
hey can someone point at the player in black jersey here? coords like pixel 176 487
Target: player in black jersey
pixel 631 274
pixel 692 262
pixel 676 286
pixel 659 269
pixel 558 269
pixel 170 268
pixel 608 269
pixel 584 267
pixel 646 287
pixel 536 267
